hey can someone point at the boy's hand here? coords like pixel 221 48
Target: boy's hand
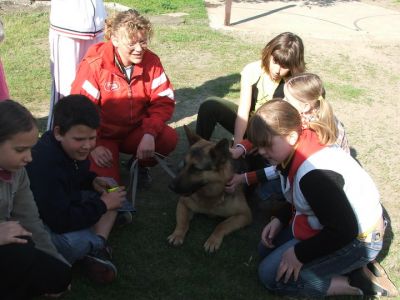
pixel 11 231
pixel 100 184
pixel 113 200
pixel 102 157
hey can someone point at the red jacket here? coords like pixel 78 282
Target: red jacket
pixel 147 101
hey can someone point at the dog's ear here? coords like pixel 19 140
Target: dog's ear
pixel 191 136
pixel 220 153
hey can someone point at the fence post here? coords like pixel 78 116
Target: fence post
pixel 228 8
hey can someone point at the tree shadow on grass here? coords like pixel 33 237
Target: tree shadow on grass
pixel 188 101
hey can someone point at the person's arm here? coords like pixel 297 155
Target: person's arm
pixel 162 99
pixel 323 190
pixel 261 175
pixel 243 112
pixel 59 201
pixel 26 213
pixel 86 82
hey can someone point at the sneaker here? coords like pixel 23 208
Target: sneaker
pixel 98 266
pixel 371 285
pixel 377 269
pixel 123 218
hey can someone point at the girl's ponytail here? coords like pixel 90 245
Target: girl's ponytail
pixel 324 124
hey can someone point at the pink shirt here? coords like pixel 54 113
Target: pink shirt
pixel 4 94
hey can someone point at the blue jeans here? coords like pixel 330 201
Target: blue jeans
pixel 269 188
pixel 315 277
pixel 76 244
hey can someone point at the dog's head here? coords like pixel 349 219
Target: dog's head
pixel 206 168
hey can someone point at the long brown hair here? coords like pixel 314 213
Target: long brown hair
pixel 287 50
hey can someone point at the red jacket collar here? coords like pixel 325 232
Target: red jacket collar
pixel 106 51
pixel 307 145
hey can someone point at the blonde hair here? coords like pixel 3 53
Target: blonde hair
pixel 287 50
pixel 276 117
pixel 308 88
pixel 130 21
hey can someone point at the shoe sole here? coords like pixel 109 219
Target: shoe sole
pixel 375 285
pixel 100 271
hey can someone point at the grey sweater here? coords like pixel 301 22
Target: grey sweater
pixel 17 204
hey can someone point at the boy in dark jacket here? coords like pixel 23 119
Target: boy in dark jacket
pixel 73 202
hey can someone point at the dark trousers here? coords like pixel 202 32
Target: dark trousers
pixel 213 111
pixel 27 272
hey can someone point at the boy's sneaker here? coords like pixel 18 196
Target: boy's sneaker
pixel 98 266
pixel 371 285
pixel 123 218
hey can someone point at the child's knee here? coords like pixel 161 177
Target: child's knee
pixel 267 274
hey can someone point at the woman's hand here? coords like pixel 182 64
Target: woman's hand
pixel 11 231
pixel 146 147
pixel 270 231
pixel 289 265
pixel 236 180
pixel 102 157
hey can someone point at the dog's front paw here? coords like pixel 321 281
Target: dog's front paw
pixel 176 238
pixel 213 243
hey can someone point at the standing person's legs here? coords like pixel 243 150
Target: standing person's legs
pixel 65 55
pixel 213 111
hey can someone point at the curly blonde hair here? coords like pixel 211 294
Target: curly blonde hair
pixel 130 21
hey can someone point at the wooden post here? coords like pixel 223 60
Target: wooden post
pixel 228 8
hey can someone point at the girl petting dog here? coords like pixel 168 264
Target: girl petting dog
pixel 29 262
pixel 319 244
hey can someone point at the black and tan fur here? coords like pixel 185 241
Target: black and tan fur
pixel 201 184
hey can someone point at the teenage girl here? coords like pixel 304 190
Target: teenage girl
pixel 29 263
pixel 335 216
pixel 261 81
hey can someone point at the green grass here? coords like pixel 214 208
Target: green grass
pixel 154 7
pixel 200 62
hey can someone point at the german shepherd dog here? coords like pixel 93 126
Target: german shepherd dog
pixel 201 184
